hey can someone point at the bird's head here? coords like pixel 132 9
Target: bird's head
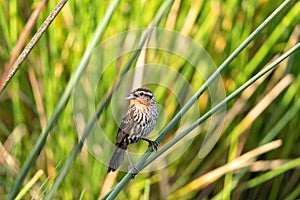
pixel 141 96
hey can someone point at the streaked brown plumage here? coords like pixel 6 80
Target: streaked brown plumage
pixel 138 122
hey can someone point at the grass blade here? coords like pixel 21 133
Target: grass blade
pixel 113 193
pixel 267 176
pixel 63 101
pixel 218 106
pixel 8 75
pixel 77 148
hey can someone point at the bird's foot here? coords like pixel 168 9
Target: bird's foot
pixel 134 170
pixel 153 145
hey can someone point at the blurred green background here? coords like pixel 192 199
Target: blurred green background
pixel 266 111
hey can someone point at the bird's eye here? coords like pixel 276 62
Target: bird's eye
pixel 142 93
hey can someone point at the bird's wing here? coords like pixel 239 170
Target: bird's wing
pixel 126 127
pixel 120 138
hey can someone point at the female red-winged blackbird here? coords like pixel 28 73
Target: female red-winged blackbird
pixel 138 122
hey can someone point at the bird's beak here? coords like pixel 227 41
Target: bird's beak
pixel 130 96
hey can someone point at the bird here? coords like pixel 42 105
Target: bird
pixel 137 123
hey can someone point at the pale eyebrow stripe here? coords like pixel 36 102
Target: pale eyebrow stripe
pixel 148 94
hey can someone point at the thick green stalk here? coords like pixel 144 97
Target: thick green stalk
pixel 114 192
pixel 63 100
pixel 221 104
pixel 77 148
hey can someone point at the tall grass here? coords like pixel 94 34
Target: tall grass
pixel 36 102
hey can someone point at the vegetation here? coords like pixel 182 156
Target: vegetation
pixel 256 155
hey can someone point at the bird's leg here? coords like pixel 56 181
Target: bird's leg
pixel 134 170
pixel 153 144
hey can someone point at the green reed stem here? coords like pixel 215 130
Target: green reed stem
pixel 221 104
pixel 116 190
pixel 63 100
pixel 77 148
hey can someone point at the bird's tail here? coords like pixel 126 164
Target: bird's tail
pixel 116 159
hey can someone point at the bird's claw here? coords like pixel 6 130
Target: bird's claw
pixel 134 170
pixel 153 145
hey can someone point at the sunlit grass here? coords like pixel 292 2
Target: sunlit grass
pixel 260 115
